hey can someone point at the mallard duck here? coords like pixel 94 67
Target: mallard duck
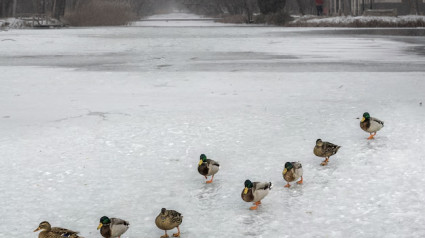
pixel 207 167
pixel 55 232
pixel 167 220
pixel 292 172
pixel 255 192
pixel 371 125
pixel 325 149
pixel 113 227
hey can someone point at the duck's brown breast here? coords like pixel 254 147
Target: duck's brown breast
pixel 105 231
pixel 164 223
pixel 289 176
pixel 248 197
pixel 203 169
pixel 365 125
pixel 318 151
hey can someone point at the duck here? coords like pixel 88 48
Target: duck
pixel 292 172
pixel 371 125
pixel 47 231
pixel 167 220
pixel 112 227
pixel 207 167
pixel 255 192
pixel 325 149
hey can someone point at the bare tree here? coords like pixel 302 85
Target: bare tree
pixel 6 8
pixel 347 7
pixel 271 6
pixel 301 7
pixel 413 6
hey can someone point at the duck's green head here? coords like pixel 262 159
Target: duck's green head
pixel 202 159
pixel 366 116
pixel 288 166
pixel 248 185
pixel 319 142
pixel 43 226
pixel 104 221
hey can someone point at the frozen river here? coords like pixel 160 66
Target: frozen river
pixel 112 120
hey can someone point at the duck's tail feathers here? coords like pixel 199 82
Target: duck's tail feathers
pixel 270 185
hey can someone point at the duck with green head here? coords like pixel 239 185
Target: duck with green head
pixel 255 192
pixel 112 227
pixel 325 149
pixel 207 167
pixel 292 172
pixel 55 232
pixel 167 220
pixel 371 125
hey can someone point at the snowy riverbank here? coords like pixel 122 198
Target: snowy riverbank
pixel 359 21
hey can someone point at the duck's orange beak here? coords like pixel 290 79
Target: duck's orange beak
pixel 245 191
pixel 99 226
pixel 38 228
pixel 284 171
pixel 363 119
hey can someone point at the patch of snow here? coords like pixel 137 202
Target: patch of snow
pixel 351 19
pixel 176 15
pixel 12 23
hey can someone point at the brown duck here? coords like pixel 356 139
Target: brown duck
pixel 325 149
pixel 55 232
pixel 167 220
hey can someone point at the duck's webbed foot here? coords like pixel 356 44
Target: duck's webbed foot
pixel 301 181
pixel 325 162
pixel 210 181
pixel 371 136
pixel 165 236
pixel 178 233
pixel 256 205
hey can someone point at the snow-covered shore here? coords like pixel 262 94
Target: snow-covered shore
pixel 359 21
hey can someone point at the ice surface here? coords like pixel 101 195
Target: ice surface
pixel 112 120
pixel 178 19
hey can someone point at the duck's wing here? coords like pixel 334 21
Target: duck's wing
pixel 213 162
pixel 262 185
pixel 375 124
pixel 117 221
pixel 176 217
pixel 64 232
pixel 298 169
pixel 296 165
pixel 173 213
pixel 377 121
pixel 118 227
pixel 330 148
pixel 261 189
